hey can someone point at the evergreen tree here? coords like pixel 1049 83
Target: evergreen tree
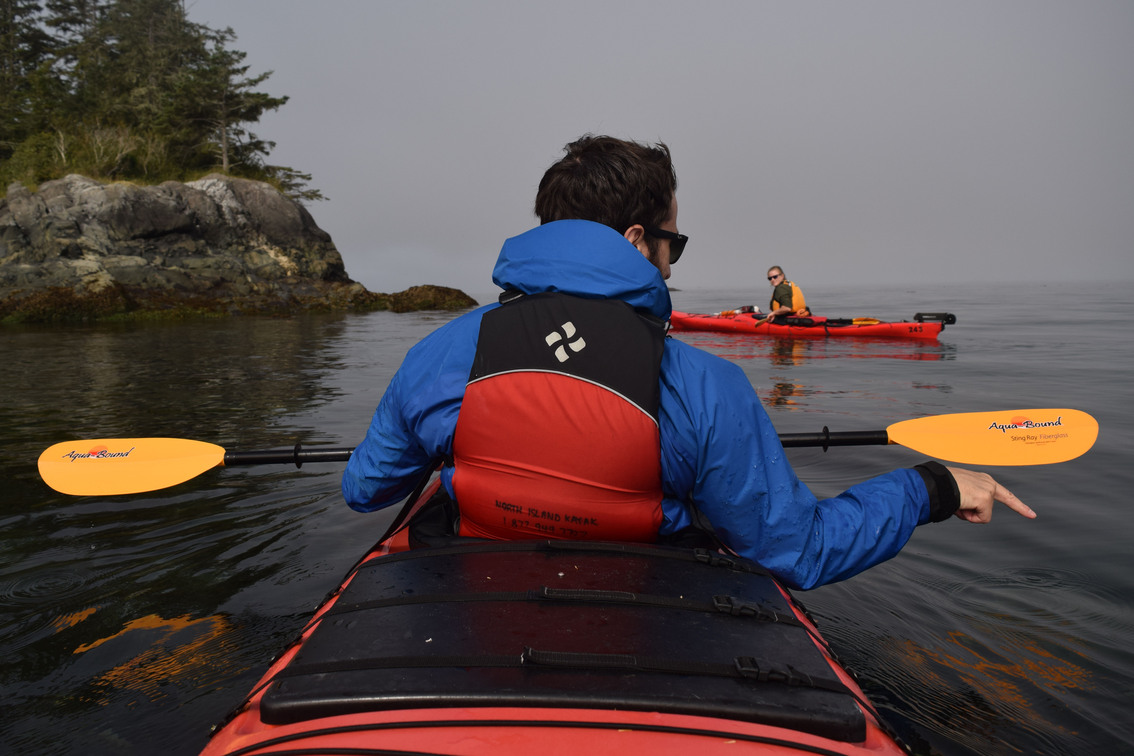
pixel 24 48
pixel 80 50
pixel 227 100
pixel 128 89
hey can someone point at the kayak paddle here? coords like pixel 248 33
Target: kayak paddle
pixel 112 466
pixel 115 466
pixel 1006 437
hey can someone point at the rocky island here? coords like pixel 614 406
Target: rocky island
pixel 78 249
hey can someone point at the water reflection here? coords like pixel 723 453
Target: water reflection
pixel 108 602
pixel 792 374
pixel 983 658
pixel 783 394
pixel 154 650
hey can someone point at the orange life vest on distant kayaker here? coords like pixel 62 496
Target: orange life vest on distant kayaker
pixel 797 304
pixel 557 435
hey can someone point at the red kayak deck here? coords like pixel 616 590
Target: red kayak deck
pixel 923 326
pixel 556 647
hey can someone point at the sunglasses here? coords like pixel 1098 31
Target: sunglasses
pixel 774 277
pixel 677 242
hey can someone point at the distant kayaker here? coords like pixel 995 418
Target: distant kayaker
pixel 564 412
pixel 787 297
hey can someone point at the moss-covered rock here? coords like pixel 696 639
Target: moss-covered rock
pixel 429 298
pixel 77 249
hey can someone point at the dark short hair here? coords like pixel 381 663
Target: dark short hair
pixel 609 181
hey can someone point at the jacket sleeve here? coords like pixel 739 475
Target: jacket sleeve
pixel 721 454
pixel 412 428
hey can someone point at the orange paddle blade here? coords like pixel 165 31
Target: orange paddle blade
pixel 113 466
pixel 1005 437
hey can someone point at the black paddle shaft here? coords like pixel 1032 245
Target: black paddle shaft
pixel 826 438
pixel 297 455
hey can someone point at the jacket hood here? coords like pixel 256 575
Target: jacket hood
pixel 585 259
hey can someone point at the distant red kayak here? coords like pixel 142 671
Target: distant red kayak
pixel 925 325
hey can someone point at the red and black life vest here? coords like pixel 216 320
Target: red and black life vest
pixel 557 435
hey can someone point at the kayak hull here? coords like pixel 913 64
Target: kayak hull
pixel 490 731
pixel 497 648
pixel 797 328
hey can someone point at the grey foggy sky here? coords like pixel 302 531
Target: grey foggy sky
pixel 849 141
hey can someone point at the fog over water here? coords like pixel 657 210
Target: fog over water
pixel 856 143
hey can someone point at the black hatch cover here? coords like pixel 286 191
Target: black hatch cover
pixel 565 624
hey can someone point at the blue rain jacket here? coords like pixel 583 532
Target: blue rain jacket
pixel 720 452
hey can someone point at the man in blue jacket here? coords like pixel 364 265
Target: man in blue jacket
pixel 608 233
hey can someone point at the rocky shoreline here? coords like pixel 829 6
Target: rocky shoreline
pixel 80 250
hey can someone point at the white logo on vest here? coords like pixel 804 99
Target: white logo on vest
pixel 568 331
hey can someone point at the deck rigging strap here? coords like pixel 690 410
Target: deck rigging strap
pixel 723 604
pixel 472 546
pixel 744 667
pixel 747 668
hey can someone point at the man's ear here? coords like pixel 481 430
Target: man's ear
pixel 636 235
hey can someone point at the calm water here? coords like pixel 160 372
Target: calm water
pixel 129 625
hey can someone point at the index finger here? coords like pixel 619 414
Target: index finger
pixel 1002 494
